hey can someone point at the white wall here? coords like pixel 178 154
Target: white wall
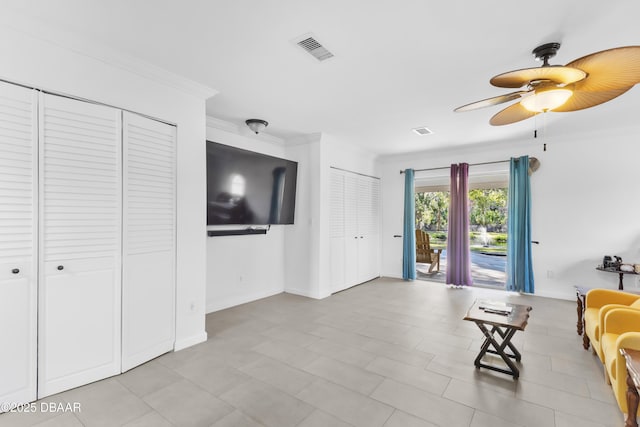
pixel 40 59
pixel 291 258
pixel 585 204
pixel 302 240
pixel 245 268
pixel 311 234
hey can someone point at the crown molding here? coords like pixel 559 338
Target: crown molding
pixel 214 122
pixel 305 139
pixel 64 39
pixel 505 145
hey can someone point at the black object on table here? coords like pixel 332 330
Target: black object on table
pixel 501 325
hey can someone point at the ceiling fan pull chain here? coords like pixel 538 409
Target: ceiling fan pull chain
pixel 544 131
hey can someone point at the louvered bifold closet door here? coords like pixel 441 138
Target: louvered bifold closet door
pixel 351 232
pixel 80 243
pixel 18 243
pixel 369 228
pixel 148 299
pixel 337 231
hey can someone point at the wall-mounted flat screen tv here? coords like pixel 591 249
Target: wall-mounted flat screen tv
pixel 244 187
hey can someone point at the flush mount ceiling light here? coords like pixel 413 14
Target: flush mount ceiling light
pixel 257 125
pixel 582 83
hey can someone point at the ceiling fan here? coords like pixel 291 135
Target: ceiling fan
pixel 583 83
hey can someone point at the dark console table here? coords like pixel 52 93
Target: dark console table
pixel 620 272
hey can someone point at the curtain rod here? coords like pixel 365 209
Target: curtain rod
pixel 470 164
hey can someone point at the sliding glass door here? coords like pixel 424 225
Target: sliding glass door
pixel 487 228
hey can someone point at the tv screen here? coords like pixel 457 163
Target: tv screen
pixel 244 187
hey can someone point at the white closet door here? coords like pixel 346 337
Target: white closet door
pixel 337 232
pixel 148 300
pixel 352 235
pixel 18 243
pixel 354 229
pixel 368 227
pixel 80 243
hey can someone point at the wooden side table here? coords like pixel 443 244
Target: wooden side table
pixel 581 292
pixel 632 358
pixel 498 329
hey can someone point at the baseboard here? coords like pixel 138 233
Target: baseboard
pixel 306 293
pixel 190 341
pixel 234 300
pixel 391 276
pixel 569 296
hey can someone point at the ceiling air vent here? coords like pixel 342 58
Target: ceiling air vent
pixel 311 45
pixel 423 131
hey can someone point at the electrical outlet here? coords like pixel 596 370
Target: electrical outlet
pixel 550 274
pixel 192 307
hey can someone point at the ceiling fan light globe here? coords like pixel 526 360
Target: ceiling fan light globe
pixel 547 100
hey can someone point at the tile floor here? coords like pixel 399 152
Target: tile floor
pixel 386 353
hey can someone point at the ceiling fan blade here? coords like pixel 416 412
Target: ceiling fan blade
pixel 511 114
pixel 584 99
pixel 492 101
pixel 555 74
pixel 610 69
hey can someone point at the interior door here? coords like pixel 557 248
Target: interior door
pixel 368 228
pixel 18 243
pixel 351 234
pixel 80 243
pixel 337 232
pixel 149 229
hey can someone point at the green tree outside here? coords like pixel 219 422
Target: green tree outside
pixel 432 210
pixel 488 208
pixel 487 216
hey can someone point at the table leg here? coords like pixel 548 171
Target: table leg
pixel 620 284
pixel 483 350
pixel 585 341
pixel 499 349
pixel 579 325
pixel 632 403
pixel 515 354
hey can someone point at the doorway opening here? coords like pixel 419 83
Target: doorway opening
pixel 487 231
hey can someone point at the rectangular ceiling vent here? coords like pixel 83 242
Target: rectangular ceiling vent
pixel 311 45
pixel 423 131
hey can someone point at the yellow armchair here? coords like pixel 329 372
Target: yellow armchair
pixel 598 302
pixel 621 329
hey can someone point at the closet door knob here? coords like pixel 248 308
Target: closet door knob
pixel 15 271
pixel 61 267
